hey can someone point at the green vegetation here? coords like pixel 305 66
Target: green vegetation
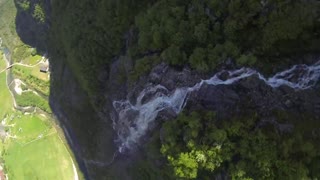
pixel 31 99
pixel 198 146
pixel 33 148
pixel 210 32
pixel 28 127
pixel 33 59
pixel 37 152
pixel 33 78
pixel 24 4
pixel 143 66
pixel 108 20
pixel 21 52
pixel 8 34
pixel 201 34
pixel 39 13
pixel 5 96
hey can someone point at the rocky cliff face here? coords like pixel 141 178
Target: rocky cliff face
pixel 90 136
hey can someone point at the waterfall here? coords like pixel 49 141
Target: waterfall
pixel 134 119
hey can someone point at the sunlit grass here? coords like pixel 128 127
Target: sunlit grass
pixel 37 152
pixel 5 97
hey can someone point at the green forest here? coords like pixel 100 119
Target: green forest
pixel 201 34
pixel 35 8
pixel 89 35
pixel 197 145
pixel 31 99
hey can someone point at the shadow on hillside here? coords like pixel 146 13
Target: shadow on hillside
pixel 35 34
pixel 29 29
pixel 90 137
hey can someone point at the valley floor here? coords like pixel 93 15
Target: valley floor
pixel 31 145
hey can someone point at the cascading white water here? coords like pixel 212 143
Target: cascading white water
pixel 133 120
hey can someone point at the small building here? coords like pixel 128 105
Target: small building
pixel 44 67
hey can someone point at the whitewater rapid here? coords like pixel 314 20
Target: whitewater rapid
pixel 133 120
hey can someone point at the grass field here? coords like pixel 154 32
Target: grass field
pixel 31 60
pixel 37 152
pixel 47 159
pixel 5 97
pixel 29 127
pixel 36 73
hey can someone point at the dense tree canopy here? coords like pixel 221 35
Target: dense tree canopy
pixel 90 34
pixel 198 146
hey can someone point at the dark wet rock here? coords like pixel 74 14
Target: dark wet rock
pixel 217 97
pixel 161 74
pixel 115 84
pixel 169 84
pixel 167 114
pixel 253 82
pixel 172 79
pixel 154 94
pixel 155 78
pixel 133 94
pixel 224 75
pixel 160 69
pixel 288 103
pixel 131 116
pixel 286 89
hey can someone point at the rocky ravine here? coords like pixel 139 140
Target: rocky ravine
pixel 91 133
pixel 229 93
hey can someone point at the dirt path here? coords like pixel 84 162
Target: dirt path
pixel 21 64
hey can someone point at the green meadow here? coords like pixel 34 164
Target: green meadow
pixel 5 97
pixel 36 152
pixel 33 147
